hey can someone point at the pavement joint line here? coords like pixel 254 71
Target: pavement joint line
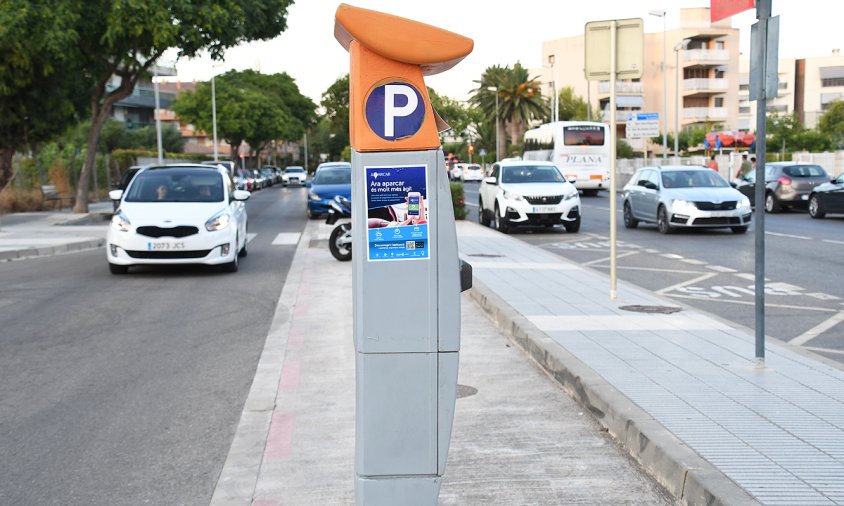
pixel 242 467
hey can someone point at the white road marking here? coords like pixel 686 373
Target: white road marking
pixel 620 255
pixel 471 204
pixel 250 236
pixel 693 261
pixel 817 330
pixel 790 236
pixel 825 350
pixel 833 242
pixel 686 283
pixel 751 303
pixel 286 239
pixel 720 268
pixel 672 256
pixel 743 275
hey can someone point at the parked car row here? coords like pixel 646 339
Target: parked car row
pixel 797 185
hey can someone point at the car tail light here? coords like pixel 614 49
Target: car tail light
pixel 784 180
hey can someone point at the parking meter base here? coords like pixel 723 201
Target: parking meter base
pixel 395 490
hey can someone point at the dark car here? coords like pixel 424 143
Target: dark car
pixel 329 181
pixel 787 184
pixel 827 198
pixel 125 179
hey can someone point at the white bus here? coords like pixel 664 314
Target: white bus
pixel 580 149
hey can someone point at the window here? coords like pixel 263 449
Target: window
pixel 744 110
pixel 744 87
pixel 583 135
pixel 719 44
pixel 719 101
pixel 837 81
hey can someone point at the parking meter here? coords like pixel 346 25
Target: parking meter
pixel 406 272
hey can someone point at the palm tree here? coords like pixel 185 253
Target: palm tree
pixel 519 100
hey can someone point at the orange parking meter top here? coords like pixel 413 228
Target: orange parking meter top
pixel 389 107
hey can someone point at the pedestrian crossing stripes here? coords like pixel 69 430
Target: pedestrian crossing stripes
pixel 286 239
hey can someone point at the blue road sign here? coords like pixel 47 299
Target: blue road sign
pixel 395 110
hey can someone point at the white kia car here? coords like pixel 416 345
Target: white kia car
pixel 519 192
pixel 178 214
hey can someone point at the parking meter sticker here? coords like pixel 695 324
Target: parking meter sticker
pixel 395 110
pixel 397 207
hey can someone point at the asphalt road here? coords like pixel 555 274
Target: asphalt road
pixel 127 389
pixel 713 270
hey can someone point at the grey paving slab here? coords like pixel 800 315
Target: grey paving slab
pixel 692 373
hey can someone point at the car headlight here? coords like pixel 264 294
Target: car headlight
pixel 314 196
pixel 745 202
pixel 570 195
pixel 512 196
pixel 683 206
pixel 121 222
pixel 219 221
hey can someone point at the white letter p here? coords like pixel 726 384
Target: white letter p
pixel 391 111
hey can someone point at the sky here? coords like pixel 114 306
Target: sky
pixel 504 33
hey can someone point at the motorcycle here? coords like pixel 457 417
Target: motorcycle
pixel 340 240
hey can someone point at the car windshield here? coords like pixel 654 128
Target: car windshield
pixel 333 176
pixel 295 169
pixel 176 185
pixel 805 171
pixel 473 167
pixel 692 179
pixel 531 174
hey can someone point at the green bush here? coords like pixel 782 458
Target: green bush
pixel 458 201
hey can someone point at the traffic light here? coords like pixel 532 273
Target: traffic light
pixel 471 149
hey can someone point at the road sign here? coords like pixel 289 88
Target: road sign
pixel 763 59
pixel 395 110
pixel 642 125
pixel 720 9
pixel 628 51
pixel 482 152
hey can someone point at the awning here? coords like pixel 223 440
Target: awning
pixel 832 72
pixel 629 101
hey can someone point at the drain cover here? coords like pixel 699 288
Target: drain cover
pixel 652 309
pixel 465 391
pixel 485 255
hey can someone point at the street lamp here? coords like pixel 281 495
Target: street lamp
pixel 683 44
pixel 555 108
pixel 214 110
pixel 497 136
pixel 661 14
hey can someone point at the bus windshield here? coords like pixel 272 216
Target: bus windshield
pixel 583 135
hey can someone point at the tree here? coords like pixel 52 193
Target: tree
pixel 571 107
pixel 832 123
pixel 452 112
pixel 335 101
pixel 125 38
pixel 42 86
pixel 782 130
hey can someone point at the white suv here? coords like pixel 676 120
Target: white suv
pixel 522 192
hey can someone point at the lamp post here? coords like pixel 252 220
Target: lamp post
pixel 661 14
pixel 497 136
pixel 214 116
pixel 683 44
pixel 157 116
pixel 555 107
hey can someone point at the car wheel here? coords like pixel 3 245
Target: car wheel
pixel 483 217
pixel 772 204
pixel 590 193
pixel 816 209
pixel 629 220
pixel 500 222
pixel 662 221
pixel 118 269
pixel 739 230
pixel 311 215
pixel 572 226
pixel 342 252
pixel 244 251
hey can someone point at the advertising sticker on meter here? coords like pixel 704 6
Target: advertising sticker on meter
pixel 397 207
pixel 395 110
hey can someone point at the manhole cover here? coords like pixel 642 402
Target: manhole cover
pixel 652 309
pixel 465 391
pixel 485 255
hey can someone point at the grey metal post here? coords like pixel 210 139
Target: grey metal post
pixel 613 154
pixel 664 93
pixel 157 115
pixel 214 117
pixel 677 100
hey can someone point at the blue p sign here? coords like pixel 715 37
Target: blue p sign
pixel 395 110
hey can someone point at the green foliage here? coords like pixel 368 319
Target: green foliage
pixel 452 112
pixel 832 123
pixel 623 150
pixel 335 101
pixel 458 201
pixel 571 107
pixel 114 135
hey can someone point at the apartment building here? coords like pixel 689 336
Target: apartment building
pixel 807 86
pixel 702 57
pixel 138 109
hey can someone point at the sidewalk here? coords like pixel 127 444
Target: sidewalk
pixel 44 233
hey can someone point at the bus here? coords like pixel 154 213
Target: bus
pixel 580 149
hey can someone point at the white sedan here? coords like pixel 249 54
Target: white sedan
pixel 178 214
pixel 472 172
pixel 519 193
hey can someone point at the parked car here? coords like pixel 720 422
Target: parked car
pixel 230 166
pixel 472 172
pixel 260 181
pixel 684 196
pixel 827 198
pixel 125 179
pixel 330 179
pixel 276 172
pixel 244 180
pixel 456 172
pixel 269 174
pixel 178 214
pixel 294 174
pixel 787 184
pixel 528 193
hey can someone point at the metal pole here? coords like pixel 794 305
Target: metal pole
pixel 677 104
pixel 157 115
pixel 497 135
pixel 664 93
pixel 214 117
pixel 763 14
pixel 306 153
pixel 613 154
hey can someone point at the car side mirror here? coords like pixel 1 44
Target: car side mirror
pixel 733 184
pixel 115 194
pixel 491 180
pixel 241 195
pixel 572 180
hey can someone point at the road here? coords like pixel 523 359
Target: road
pixel 713 270
pixel 127 390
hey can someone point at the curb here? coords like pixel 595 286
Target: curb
pixel 72 247
pixel 685 474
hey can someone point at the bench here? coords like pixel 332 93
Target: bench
pixel 49 193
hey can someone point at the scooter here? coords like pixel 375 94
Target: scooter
pixel 340 240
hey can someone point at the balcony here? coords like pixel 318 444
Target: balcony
pixel 705 56
pixel 620 87
pixel 705 85
pixel 703 113
pixel 620 116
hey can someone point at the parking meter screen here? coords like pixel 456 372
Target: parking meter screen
pixel 397 220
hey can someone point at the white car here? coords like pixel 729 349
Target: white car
pixel 472 172
pixel 178 214
pixel 293 174
pixel 456 172
pixel 528 193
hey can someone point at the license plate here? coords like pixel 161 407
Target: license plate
pixel 165 246
pixel 720 215
pixel 543 209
